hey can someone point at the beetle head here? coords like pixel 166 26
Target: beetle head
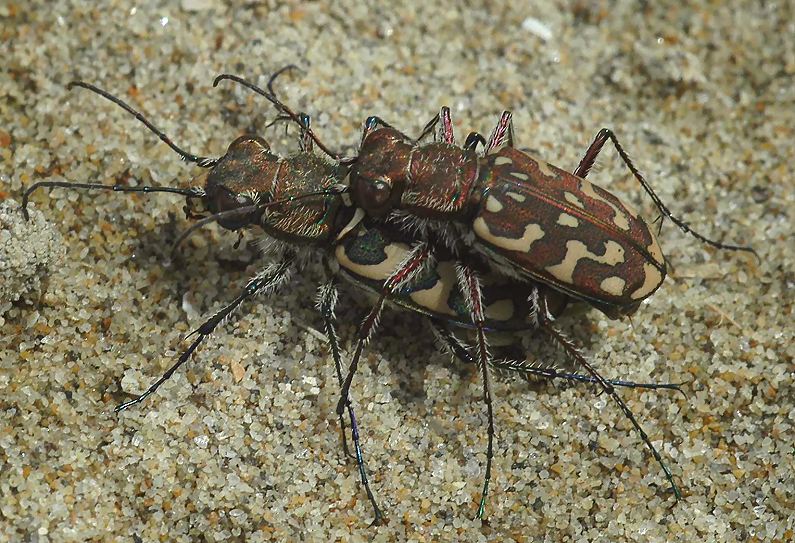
pixel 378 177
pixel 239 180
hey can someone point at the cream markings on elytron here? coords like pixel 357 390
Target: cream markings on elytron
pixel 620 219
pixel 502 161
pixel 516 196
pixel 655 251
pixel 501 310
pixel 577 250
pixel 436 298
pixel 520 175
pixel 573 200
pixel 493 205
pixel 567 220
pixel 543 167
pixel 395 253
pixel 613 285
pixel 652 281
pixel 532 233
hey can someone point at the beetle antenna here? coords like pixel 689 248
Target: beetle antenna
pixel 281 106
pixel 204 162
pixel 190 192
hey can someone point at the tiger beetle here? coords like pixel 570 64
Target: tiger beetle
pixel 301 202
pixel 530 220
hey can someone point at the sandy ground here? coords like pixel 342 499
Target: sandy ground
pixel 243 444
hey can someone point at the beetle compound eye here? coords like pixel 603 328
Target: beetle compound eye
pixel 374 194
pixel 226 200
pixel 381 191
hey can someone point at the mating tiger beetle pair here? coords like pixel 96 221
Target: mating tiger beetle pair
pixel 491 241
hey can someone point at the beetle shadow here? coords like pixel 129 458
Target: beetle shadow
pixel 409 358
pixel 184 266
pixel 406 343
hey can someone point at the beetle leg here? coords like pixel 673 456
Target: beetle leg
pixel 445 122
pixel 415 262
pixel 544 319
pixel 588 160
pixel 446 134
pixel 305 142
pixel 470 287
pixel 502 135
pixel 608 388
pixel 428 128
pixel 326 300
pixel 528 370
pixel 266 280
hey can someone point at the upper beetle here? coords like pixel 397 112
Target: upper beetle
pixel 531 218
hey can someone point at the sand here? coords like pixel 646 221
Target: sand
pixel 243 444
